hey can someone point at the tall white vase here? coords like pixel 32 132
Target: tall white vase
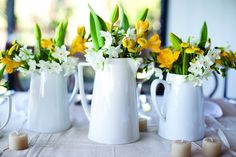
pixel 113 116
pixel 181 113
pixel 48 109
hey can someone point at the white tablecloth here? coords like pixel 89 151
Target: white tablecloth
pixel 74 142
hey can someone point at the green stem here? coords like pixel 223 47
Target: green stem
pixel 111 27
pixel 185 64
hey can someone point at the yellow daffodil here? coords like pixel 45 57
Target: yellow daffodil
pixel 142 42
pixel 153 43
pixel 166 58
pixel 47 44
pixel 78 45
pixel 81 31
pixel 10 64
pixel 194 50
pixel 141 28
pixel 225 54
pixel 129 44
pixel 184 45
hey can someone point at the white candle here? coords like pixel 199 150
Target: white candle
pixel 211 147
pixel 142 124
pixel 18 141
pixel 181 148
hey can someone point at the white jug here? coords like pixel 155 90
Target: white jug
pixel 3 124
pixel 181 113
pixel 113 116
pixel 49 101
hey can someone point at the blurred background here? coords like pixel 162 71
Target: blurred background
pixel 183 17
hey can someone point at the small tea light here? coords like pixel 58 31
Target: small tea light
pixel 181 148
pixel 142 124
pixel 211 147
pixel 18 141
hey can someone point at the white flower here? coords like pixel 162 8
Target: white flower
pixel 55 67
pixel 197 81
pixel 44 66
pixel 206 73
pixel 205 61
pixel 114 52
pixel 158 73
pixel 108 39
pixel 61 53
pixel 70 66
pixel 32 65
pixel 95 58
pixel 131 34
pixel 214 54
pixel 195 68
pixel 24 54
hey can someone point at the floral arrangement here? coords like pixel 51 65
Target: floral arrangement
pixel 227 57
pixel 116 39
pixel 49 55
pixel 195 58
pixel 3 82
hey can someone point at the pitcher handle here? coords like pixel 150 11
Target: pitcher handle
pixel 82 90
pixel 75 89
pixel 156 105
pixel 9 110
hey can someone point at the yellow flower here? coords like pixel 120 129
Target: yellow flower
pixel 81 31
pixel 153 43
pixel 10 64
pixel 47 44
pixel 141 28
pixel 166 58
pixel 78 45
pixel 194 50
pixel 142 42
pixel 184 45
pixel 129 44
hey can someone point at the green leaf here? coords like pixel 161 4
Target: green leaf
pixel 103 24
pixel 38 36
pixel 93 33
pixel 115 14
pixel 203 36
pixel 98 27
pixel 2 72
pixel 124 23
pixel 175 41
pixel 59 38
pixel 143 15
pixel 65 24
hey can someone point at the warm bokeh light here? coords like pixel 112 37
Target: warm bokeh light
pixel 48 12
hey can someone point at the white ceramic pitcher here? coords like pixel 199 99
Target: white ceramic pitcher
pixel 49 101
pixel 113 116
pixel 8 97
pixel 181 113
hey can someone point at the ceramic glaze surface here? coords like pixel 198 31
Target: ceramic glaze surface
pixel 4 123
pixel 181 114
pixel 113 116
pixel 48 109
